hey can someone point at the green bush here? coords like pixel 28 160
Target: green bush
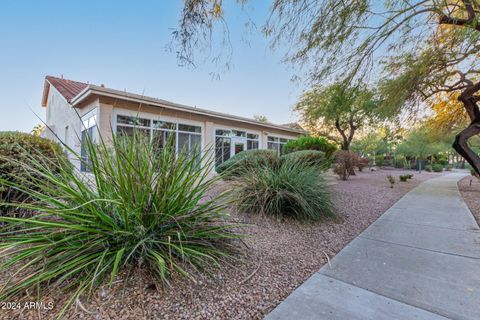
pixel 443 161
pixel 428 168
pixel 309 157
pixel 448 167
pixel 18 148
pixel 240 162
pixel 379 160
pixel 311 143
pixel 149 208
pixel 401 163
pixel 403 178
pixel 437 167
pixel 288 188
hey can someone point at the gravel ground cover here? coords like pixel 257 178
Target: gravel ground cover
pixel 276 258
pixel 471 195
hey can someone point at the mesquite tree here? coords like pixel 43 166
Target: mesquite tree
pixel 340 109
pixel 426 47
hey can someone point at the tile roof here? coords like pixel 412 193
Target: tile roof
pixel 67 88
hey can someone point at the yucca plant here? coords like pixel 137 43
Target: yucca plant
pixel 283 188
pixel 141 205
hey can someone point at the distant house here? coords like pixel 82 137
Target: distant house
pixel 76 109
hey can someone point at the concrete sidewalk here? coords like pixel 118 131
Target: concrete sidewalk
pixel 419 260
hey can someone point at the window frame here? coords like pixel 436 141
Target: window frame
pixel 89 124
pixel 236 134
pixel 154 117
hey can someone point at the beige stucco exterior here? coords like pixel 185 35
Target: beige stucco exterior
pixel 65 118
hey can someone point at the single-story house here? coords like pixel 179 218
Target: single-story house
pixel 75 109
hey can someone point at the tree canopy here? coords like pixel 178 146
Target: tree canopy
pixel 340 109
pixel 414 49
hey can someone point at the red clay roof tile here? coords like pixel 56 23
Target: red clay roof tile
pixel 67 88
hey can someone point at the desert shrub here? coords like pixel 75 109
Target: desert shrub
pixel 149 207
pixel 345 162
pixel 311 143
pixel 243 160
pixel 379 160
pixel 428 168
pixel 443 161
pixel 18 148
pixel 288 188
pixel 401 163
pixel 437 167
pixel 362 163
pixel 309 157
pixel 391 180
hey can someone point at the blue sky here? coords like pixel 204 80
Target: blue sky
pixel 122 44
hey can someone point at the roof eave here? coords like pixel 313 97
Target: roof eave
pixel 90 90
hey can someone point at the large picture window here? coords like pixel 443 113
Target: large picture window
pixel 184 137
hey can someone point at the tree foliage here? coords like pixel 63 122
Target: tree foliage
pixel 420 143
pixel 339 109
pixel 425 47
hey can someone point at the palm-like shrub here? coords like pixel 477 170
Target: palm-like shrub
pixel 285 188
pixel 139 206
pixel 242 161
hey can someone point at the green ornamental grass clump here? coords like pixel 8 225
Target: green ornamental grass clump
pixel 309 157
pixel 284 189
pixel 437 167
pixel 141 206
pixel 240 162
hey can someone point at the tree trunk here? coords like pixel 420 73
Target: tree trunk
pixel 460 144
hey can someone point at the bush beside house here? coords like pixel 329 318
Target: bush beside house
pixel 311 143
pixel 18 149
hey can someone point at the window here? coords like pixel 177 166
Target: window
pixel 182 136
pixel 88 134
pixel 189 139
pixel 275 143
pixel 229 142
pixel 222 149
pixel 252 141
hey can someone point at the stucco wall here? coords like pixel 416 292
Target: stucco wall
pixel 64 121
pixel 209 123
pixel 109 107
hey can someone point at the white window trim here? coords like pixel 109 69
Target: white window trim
pixel 150 116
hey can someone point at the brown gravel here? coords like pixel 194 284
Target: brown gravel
pixel 279 257
pixel 471 195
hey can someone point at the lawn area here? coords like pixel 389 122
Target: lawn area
pixel 276 257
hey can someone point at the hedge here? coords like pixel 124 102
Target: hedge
pixel 17 149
